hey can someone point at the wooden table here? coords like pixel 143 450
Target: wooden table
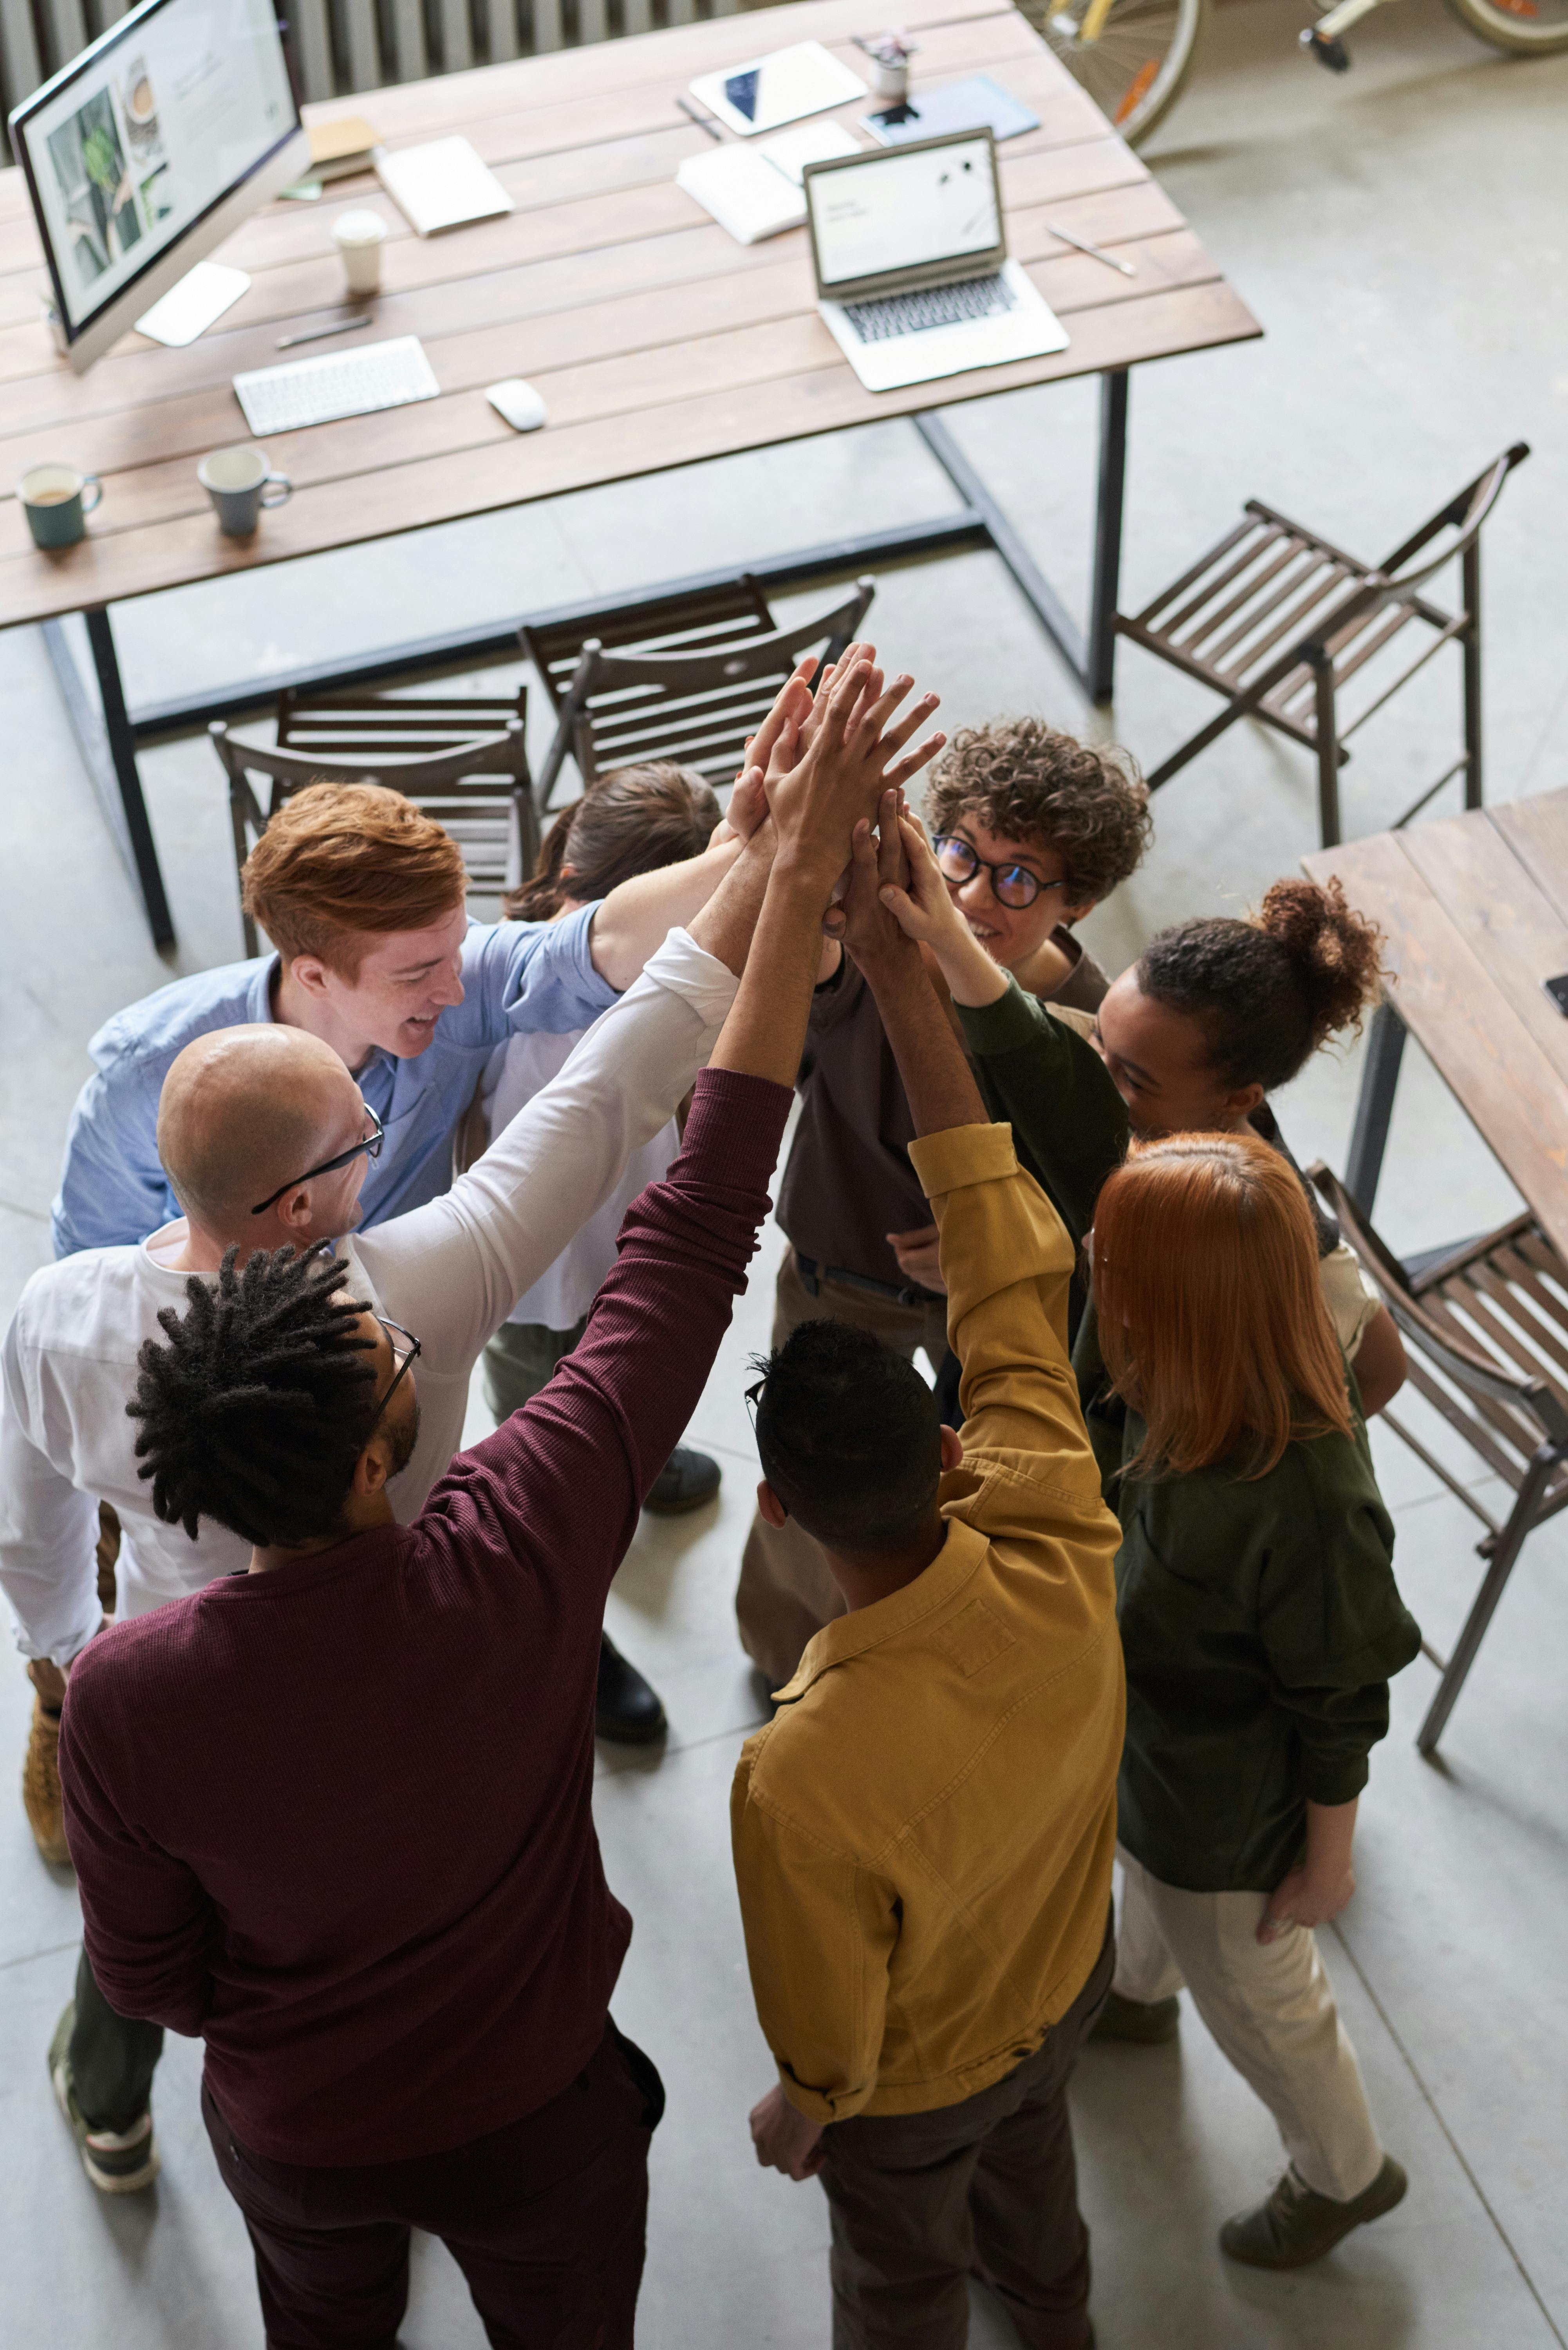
pixel 655 339
pixel 1475 912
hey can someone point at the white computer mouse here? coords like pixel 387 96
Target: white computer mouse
pixel 518 403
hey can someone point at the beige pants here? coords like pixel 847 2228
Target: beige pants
pixel 786 1594
pixel 1269 2009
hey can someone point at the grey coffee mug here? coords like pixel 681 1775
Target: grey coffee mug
pixel 238 480
pixel 56 502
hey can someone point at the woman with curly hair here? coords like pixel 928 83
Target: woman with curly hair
pixel 1034 829
pixel 1259 1615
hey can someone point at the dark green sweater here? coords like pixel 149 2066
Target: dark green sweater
pixel 1260 1618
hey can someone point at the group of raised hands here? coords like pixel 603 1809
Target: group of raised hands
pixel 828 767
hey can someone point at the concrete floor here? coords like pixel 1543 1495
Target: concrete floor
pixel 1401 237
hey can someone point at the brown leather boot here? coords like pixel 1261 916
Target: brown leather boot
pixel 41 1787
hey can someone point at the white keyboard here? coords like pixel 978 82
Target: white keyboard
pixel 343 383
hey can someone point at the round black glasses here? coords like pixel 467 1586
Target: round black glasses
pixel 957 861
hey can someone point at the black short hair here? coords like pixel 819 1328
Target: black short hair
pixel 256 1411
pixel 1271 990
pixel 849 1436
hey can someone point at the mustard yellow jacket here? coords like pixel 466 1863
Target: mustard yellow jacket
pixel 923 1835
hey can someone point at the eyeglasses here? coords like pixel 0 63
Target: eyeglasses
pixel 371 1144
pixel 403 1359
pixel 958 861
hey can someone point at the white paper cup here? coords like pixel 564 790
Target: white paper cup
pixel 359 238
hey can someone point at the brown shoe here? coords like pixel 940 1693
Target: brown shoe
pixel 1295 2226
pixel 41 1787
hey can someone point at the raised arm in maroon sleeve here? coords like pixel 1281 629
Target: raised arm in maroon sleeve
pixel 572 1469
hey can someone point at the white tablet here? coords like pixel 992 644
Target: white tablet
pixel 770 91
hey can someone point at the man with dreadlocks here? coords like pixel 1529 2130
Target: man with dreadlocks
pixel 406 2027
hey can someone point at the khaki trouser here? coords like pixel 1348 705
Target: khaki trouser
pixel 1269 2009
pixel 786 1594
pixel 920 2202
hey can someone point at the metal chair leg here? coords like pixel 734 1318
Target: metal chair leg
pixel 1475 796
pixel 1327 751
pixel 1509 1543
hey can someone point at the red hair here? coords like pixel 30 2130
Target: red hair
pixel 342 864
pixel 1211 1317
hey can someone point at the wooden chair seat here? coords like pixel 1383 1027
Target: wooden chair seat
pixel 461 758
pixel 687 677
pixel 1486 1325
pixel 1279 621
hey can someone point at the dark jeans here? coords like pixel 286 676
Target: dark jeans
pixel 545 2220
pixel 921 2202
pixel 113 2059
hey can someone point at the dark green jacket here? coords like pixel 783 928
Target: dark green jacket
pixel 1259 1619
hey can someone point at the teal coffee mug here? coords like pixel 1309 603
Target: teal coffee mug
pixel 56 501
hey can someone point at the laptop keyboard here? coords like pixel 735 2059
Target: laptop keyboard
pixel 934 306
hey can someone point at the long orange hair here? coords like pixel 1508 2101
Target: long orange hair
pixel 1211 1317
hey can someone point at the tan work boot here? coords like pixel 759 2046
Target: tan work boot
pixel 41 1787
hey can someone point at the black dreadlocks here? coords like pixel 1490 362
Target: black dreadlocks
pixel 256 1411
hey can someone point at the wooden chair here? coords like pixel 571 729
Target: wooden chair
pixel 685 677
pixel 1487 1327
pixel 1279 621
pixel 463 759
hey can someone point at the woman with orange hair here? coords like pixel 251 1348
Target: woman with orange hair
pixel 1259 1622
pixel 1259 1614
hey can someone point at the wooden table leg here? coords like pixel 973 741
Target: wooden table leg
pixel 1375 1106
pixel 108 747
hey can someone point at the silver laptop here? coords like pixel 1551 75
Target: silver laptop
pixel 912 273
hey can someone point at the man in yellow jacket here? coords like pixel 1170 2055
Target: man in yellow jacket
pixel 923 1835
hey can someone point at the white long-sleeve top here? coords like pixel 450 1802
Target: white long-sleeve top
pixel 450 1271
pixel 515 1073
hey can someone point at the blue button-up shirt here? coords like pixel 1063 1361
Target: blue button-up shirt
pixel 516 976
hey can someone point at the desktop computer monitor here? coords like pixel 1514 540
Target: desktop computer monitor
pixel 151 148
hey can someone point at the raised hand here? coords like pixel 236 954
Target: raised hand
pixel 853 754
pixel 865 924
pixel 774 741
pixel 924 910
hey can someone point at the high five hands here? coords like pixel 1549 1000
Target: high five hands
pixel 843 723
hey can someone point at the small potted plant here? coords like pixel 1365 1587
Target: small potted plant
pixel 890 54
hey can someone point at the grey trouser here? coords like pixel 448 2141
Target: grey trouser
pixel 786 1594
pixel 920 2202
pixel 521 1359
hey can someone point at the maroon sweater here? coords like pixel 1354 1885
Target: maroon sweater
pixel 337 1818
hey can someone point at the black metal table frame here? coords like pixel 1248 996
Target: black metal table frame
pixel 1375 1106
pixel 110 733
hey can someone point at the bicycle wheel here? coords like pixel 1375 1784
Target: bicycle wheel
pixel 1525 29
pixel 1131 55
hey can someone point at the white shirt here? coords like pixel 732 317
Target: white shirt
pixel 515 1073
pixel 450 1272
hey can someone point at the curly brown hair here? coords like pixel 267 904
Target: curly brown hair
pixel 1271 990
pixel 1027 781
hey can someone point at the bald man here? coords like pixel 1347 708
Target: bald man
pixel 265 1137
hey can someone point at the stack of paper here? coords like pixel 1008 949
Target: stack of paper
pixel 341 148
pixel 441 185
pixel 755 191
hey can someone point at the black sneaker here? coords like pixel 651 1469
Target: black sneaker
pixel 686 1481
pixel 627 1709
pixel 117 2162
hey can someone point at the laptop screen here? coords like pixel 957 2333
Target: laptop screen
pixel 898 211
